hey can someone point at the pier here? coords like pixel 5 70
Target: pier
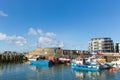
pixel 11 57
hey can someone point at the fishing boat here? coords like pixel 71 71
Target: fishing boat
pixel 103 64
pixel 116 64
pixel 64 60
pixel 39 61
pixel 80 64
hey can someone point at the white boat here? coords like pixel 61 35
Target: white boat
pixel 64 60
pixel 102 62
pixel 105 65
pixel 116 64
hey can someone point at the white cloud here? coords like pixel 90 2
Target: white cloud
pixel 47 39
pixel 21 42
pixel 40 31
pixel 2 36
pixel 50 34
pixel 3 13
pixel 44 40
pixel 18 40
pixel 60 44
pixel 32 32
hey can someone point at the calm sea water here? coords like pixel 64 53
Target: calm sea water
pixel 59 72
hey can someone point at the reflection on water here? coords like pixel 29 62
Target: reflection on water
pixel 100 75
pixel 12 71
pixel 57 72
pixel 86 74
pixel 38 68
pixel 8 68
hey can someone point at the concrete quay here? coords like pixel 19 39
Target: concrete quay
pixel 111 56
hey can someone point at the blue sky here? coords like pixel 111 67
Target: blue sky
pixel 70 24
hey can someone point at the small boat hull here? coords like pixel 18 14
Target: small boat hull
pixel 105 66
pixel 39 62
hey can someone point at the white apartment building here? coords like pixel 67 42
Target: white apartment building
pixel 117 47
pixel 101 45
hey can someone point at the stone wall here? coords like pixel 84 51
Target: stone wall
pixel 47 52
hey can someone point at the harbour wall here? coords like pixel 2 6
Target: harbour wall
pixel 54 53
pixel 10 58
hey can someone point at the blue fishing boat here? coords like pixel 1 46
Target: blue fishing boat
pixel 81 64
pixel 39 61
pixel 83 67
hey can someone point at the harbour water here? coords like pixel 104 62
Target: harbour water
pixel 58 72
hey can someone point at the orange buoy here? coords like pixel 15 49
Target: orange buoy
pixel 111 70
